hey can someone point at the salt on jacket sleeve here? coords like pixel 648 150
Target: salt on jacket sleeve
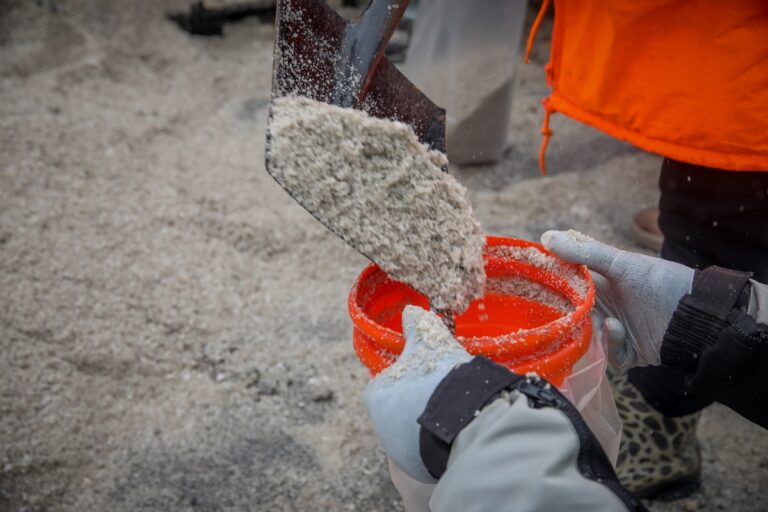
pixel 527 450
pixel 719 337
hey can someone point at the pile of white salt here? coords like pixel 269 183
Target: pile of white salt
pixel 376 186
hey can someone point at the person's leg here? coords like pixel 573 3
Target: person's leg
pixel 708 217
pixel 714 217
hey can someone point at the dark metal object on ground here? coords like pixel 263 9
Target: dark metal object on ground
pixel 209 21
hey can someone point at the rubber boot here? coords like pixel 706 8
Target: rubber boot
pixel 659 456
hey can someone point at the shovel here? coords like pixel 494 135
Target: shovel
pixel 320 55
pixel 324 57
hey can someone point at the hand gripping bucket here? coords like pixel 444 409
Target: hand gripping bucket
pixel 534 317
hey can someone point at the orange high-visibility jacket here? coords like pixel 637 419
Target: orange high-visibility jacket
pixel 687 79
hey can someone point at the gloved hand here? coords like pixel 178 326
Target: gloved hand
pixel 636 294
pixel 398 395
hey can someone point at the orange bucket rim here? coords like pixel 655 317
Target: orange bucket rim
pixel 511 344
pixel 489 345
pixel 388 338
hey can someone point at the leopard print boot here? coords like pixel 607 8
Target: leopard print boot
pixel 659 456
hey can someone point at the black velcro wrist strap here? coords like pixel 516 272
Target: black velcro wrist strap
pixel 716 291
pixel 702 315
pixel 453 405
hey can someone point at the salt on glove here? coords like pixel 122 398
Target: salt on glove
pixel 397 396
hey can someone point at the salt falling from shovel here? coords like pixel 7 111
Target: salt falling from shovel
pixel 372 183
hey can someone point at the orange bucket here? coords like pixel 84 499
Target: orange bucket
pixel 533 317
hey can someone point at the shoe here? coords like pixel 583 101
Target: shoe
pixel 645 229
pixel 659 456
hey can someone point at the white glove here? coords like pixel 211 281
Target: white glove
pixel 636 294
pixel 398 395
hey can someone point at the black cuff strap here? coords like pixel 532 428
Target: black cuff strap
pixel 702 315
pixel 454 403
pixel 717 290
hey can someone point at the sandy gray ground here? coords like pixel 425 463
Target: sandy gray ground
pixel 173 332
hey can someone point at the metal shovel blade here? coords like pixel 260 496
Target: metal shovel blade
pixel 322 56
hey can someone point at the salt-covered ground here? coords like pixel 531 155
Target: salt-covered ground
pixel 173 328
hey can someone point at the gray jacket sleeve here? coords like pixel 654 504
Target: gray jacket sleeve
pixel 519 458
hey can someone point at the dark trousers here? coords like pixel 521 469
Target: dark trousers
pixel 708 217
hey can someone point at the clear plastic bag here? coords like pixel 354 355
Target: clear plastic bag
pixel 587 388
pixel 463 56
